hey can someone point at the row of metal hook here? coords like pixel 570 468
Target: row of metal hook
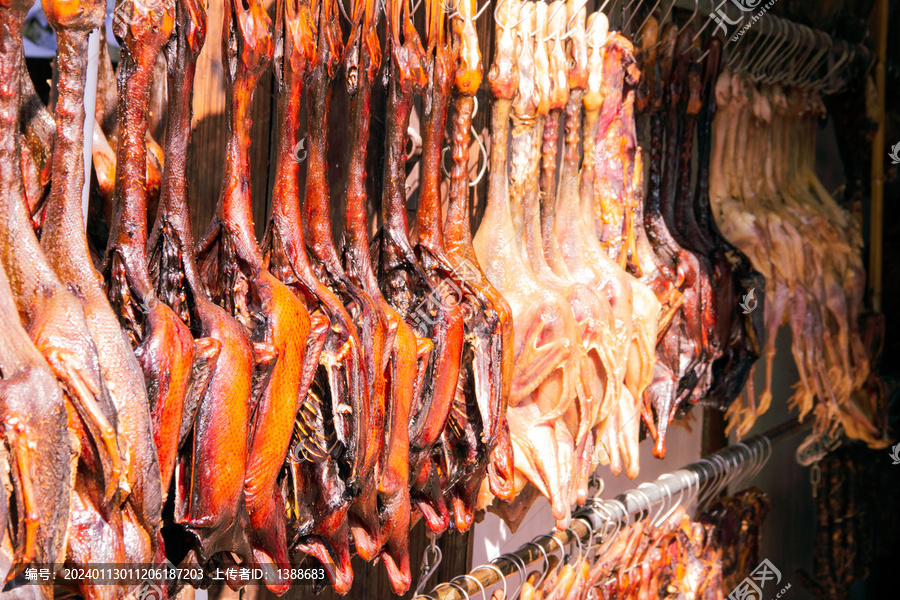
pixel 596 525
pixel 781 51
pixel 772 57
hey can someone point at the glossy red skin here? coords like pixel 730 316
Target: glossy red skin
pixel 33 417
pixel 233 267
pixel 55 321
pixel 316 488
pixel 162 342
pixel 325 527
pixel 415 280
pixel 400 351
pixel 209 473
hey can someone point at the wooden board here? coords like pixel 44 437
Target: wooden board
pixel 210 132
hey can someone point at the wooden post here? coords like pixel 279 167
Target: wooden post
pixel 876 219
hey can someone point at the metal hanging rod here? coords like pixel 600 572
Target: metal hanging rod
pixel 725 15
pixel 801 51
pixel 702 480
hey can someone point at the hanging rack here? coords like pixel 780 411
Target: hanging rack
pixel 724 15
pixel 599 520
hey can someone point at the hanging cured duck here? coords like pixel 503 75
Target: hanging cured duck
pixel 651 218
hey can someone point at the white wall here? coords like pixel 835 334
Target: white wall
pixel 493 537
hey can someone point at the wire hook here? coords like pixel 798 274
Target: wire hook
pixel 546 561
pixel 433 555
pixel 492 567
pixel 475 579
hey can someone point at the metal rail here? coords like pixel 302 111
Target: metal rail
pixel 705 479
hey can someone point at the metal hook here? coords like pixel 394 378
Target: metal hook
pixel 647 505
pixel 555 32
pixel 685 485
pixel 781 72
pixel 562 548
pixel 492 567
pixel 691 483
pixel 569 30
pixel 712 477
pixel 432 553
pixel 475 579
pixel 660 518
pixel 462 590
pixel 609 520
pixel 723 465
pixel 503 25
pixel 456 9
pixel 807 37
pixel 520 567
pixel 625 513
pixel 647 18
pixel 673 506
pixel 699 468
pixel 562 553
pixel 702 29
pixel 802 65
pixel 591 540
pixel 627 8
pixel 757 44
pixel 846 67
pixel 813 64
pixel 484 154
pixel 728 472
pixel 762 59
pixel 768 72
pixel 752 459
pixel 665 18
pixel 764 447
pixel 743 476
pixel 840 62
pixel 344 11
pixel 691 20
pixel 480 12
pixel 546 561
pixel 734 468
pixel 523 571
pixel 734 51
pixel 762 454
pixel 576 538
pixel 757 451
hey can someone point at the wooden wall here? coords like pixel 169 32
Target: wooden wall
pixel 210 131
pixel 207 158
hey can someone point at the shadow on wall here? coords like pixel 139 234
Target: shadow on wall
pixel 206 165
